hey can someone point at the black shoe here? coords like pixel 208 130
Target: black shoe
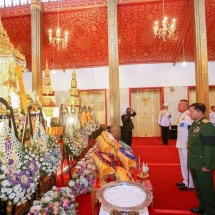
pixel 180 184
pixel 185 188
pixel 197 210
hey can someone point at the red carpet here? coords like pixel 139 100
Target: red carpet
pixel 163 162
pixel 157 154
pixel 164 170
pixel 166 193
pixel 149 141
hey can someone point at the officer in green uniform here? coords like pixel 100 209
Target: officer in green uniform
pixel 201 159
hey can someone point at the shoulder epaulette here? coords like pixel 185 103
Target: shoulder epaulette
pixel 205 121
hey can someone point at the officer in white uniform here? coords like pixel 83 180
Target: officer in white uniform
pixel 212 115
pixel 164 120
pixel 183 123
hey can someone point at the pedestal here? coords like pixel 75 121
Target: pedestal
pixel 104 211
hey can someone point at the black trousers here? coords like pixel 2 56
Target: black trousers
pixel 127 137
pixel 204 190
pixel 165 134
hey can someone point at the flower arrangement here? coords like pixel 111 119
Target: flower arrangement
pixel 18 185
pixel 57 201
pixel 19 174
pixel 73 145
pixel 20 120
pixel 20 123
pixel 78 137
pixel 48 159
pixel 84 174
pixel 85 136
pixel 92 126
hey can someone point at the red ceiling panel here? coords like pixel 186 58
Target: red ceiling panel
pixel 87 24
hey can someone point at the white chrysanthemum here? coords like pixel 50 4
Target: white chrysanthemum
pixel 35 208
pixel 9 190
pixel 2 196
pixel 32 185
pixel 2 176
pixel 47 199
pixel 23 199
pixel 21 194
pixel 3 167
pixel 3 190
pixel 71 183
pixel 5 183
pixel 35 179
pixel 12 195
pixel 16 199
pixel 16 188
pixel 26 156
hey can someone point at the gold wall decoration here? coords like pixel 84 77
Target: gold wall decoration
pixel 36 38
pixel 113 55
pixel 201 55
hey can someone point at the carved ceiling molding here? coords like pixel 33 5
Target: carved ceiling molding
pixel 64 5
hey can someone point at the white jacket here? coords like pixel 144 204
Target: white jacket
pixel 184 121
pixel 212 117
pixel 164 118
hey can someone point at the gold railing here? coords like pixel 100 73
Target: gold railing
pixel 16 3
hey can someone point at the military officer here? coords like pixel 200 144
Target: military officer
pixel 212 115
pixel 164 121
pixel 201 159
pixel 184 122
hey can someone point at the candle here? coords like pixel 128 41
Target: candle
pixel 139 162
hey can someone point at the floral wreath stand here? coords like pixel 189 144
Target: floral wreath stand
pixel 6 110
pixel 7 115
pixel 35 111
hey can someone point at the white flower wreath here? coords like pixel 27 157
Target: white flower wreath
pixel 19 175
pixel 92 126
pixel 49 159
pixel 73 146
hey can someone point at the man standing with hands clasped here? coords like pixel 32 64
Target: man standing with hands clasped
pixel 201 158
pixel 127 125
pixel 183 124
pixel 164 120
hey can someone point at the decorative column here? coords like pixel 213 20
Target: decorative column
pixel 113 69
pixel 36 43
pixel 201 55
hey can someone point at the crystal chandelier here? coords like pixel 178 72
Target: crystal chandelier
pixel 166 29
pixel 58 40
